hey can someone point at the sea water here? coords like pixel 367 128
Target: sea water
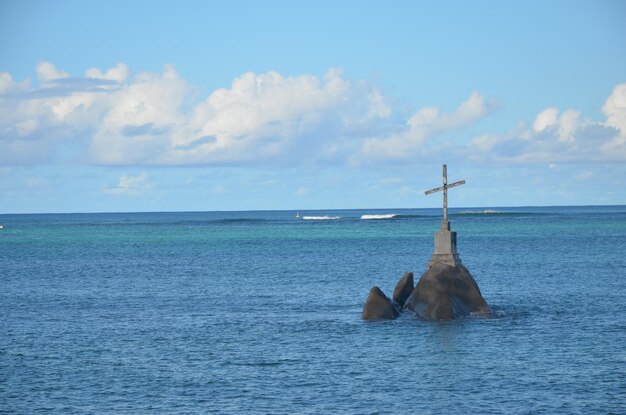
pixel 259 313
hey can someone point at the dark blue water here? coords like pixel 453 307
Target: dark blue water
pixel 258 312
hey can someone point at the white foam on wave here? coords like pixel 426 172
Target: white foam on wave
pixel 386 216
pixel 321 217
pixel 479 212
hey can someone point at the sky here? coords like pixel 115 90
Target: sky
pixel 123 106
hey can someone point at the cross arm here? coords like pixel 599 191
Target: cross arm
pixel 437 189
pixel 460 182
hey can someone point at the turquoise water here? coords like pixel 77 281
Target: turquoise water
pixel 258 312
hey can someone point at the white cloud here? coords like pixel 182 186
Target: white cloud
pixel 147 118
pixel 9 85
pixel 141 119
pixel 546 118
pixel 378 107
pixel 266 116
pixel 130 186
pixel 6 82
pixel 565 124
pixel 615 110
pixel 48 72
pixel 118 73
pixel 568 124
pixel 261 118
pixel 556 136
pixel 424 124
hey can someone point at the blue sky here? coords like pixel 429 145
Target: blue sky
pixel 241 105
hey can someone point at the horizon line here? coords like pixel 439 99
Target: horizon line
pixel 302 210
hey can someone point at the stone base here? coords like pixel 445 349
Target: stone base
pixel 449 259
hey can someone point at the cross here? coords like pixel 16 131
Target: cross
pixel 444 224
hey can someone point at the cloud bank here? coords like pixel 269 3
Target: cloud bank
pixel 113 117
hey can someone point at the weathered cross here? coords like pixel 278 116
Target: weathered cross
pixel 445 187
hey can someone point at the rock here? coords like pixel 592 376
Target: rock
pixel 404 288
pixel 445 292
pixel 379 307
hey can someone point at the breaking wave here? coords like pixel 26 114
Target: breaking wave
pixel 321 217
pixel 379 217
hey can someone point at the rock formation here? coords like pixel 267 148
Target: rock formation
pixel 379 307
pixel 445 292
pixel 403 289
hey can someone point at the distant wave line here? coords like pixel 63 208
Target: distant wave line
pixel 379 217
pixel 321 217
pixel 479 212
pixel 491 212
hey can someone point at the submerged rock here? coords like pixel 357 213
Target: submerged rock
pixel 379 307
pixel 445 292
pixel 403 289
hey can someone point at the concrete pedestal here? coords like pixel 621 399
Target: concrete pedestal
pixel 445 249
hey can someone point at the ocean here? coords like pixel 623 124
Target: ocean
pixel 259 313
